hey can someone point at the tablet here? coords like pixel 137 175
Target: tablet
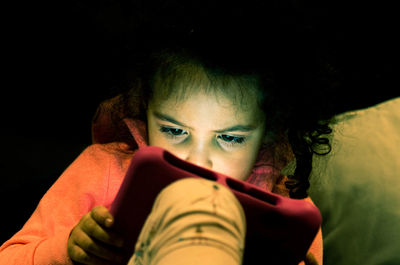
pixel 280 230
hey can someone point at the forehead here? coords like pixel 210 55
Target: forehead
pixel 182 82
pixel 211 106
pixel 190 86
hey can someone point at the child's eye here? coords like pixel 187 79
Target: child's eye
pixel 173 132
pixel 231 140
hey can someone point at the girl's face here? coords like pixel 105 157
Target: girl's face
pixel 209 130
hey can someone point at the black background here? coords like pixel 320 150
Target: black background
pixel 61 58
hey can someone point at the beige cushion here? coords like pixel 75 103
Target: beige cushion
pixel 357 187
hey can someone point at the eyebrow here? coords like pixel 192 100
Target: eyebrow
pixel 165 117
pixel 239 127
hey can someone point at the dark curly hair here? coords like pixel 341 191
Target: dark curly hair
pixel 294 82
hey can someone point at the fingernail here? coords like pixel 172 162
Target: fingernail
pixel 109 222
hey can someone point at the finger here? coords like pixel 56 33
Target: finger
pixel 94 230
pixel 102 216
pixel 90 251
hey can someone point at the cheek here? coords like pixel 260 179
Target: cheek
pixel 240 164
pixel 155 136
pixel 156 139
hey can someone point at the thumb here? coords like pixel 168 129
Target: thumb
pixel 102 216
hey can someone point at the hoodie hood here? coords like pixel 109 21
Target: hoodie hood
pixel 265 174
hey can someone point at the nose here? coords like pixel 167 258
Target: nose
pixel 200 158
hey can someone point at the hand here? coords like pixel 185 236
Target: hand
pixel 92 240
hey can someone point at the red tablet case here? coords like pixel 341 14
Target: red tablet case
pixel 280 230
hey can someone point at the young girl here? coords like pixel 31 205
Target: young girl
pixel 205 103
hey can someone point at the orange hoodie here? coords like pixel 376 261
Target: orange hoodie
pixel 94 179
